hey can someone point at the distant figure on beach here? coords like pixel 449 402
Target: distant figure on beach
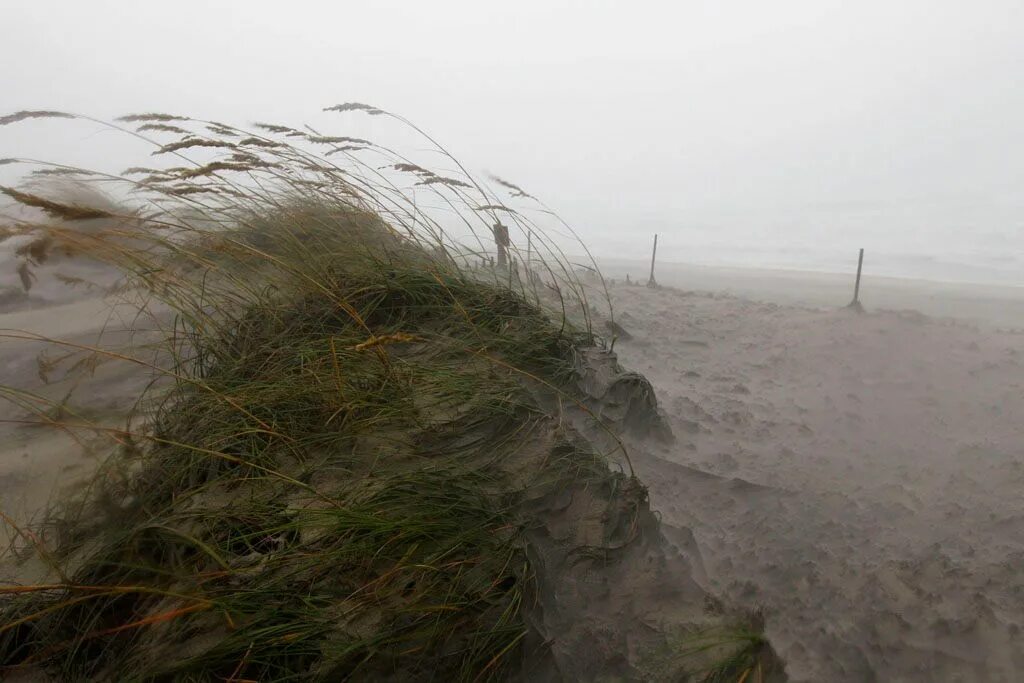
pixel 502 242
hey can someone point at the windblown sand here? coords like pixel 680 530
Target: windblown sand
pixel 858 477
pixel 42 392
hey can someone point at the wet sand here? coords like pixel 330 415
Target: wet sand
pixel 37 459
pixel 856 476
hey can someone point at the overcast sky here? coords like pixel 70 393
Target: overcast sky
pixel 899 124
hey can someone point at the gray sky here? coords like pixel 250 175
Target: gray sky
pixel 792 124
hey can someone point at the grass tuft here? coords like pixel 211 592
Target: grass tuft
pixel 25 115
pixel 56 209
pixel 328 482
pixel 353 420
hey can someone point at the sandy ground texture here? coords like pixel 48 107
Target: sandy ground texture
pixel 63 384
pixel 37 458
pixel 857 476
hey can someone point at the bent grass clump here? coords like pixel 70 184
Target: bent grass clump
pixel 334 477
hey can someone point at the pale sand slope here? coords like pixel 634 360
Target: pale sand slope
pixel 65 302
pixel 868 478
pixel 33 459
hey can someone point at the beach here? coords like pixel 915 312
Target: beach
pixel 855 477
pixel 39 458
pixel 987 304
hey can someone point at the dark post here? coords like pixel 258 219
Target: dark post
pixel 856 288
pixel 501 241
pixel 651 282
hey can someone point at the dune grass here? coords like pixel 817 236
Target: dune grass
pixel 321 487
pixel 350 407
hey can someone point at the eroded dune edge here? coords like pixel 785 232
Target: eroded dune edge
pixel 355 447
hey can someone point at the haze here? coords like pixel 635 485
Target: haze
pixel 250 429
pixel 748 133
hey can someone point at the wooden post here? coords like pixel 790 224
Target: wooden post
pixel 502 243
pixel 855 304
pixel 651 282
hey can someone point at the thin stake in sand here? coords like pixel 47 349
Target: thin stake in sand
pixel 855 304
pixel 651 282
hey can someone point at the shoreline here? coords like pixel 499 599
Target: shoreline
pixel 988 305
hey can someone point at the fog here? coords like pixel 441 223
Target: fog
pixel 836 467
pixel 745 133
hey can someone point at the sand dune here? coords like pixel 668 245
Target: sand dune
pixel 857 476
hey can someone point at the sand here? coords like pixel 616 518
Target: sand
pixel 856 476
pixel 991 306
pixel 36 462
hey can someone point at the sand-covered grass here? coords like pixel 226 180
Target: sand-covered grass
pixel 333 438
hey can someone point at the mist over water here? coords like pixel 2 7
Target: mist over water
pixel 976 265
pixel 745 133
pixel 853 472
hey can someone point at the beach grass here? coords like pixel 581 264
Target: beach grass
pixel 314 491
pixel 350 406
